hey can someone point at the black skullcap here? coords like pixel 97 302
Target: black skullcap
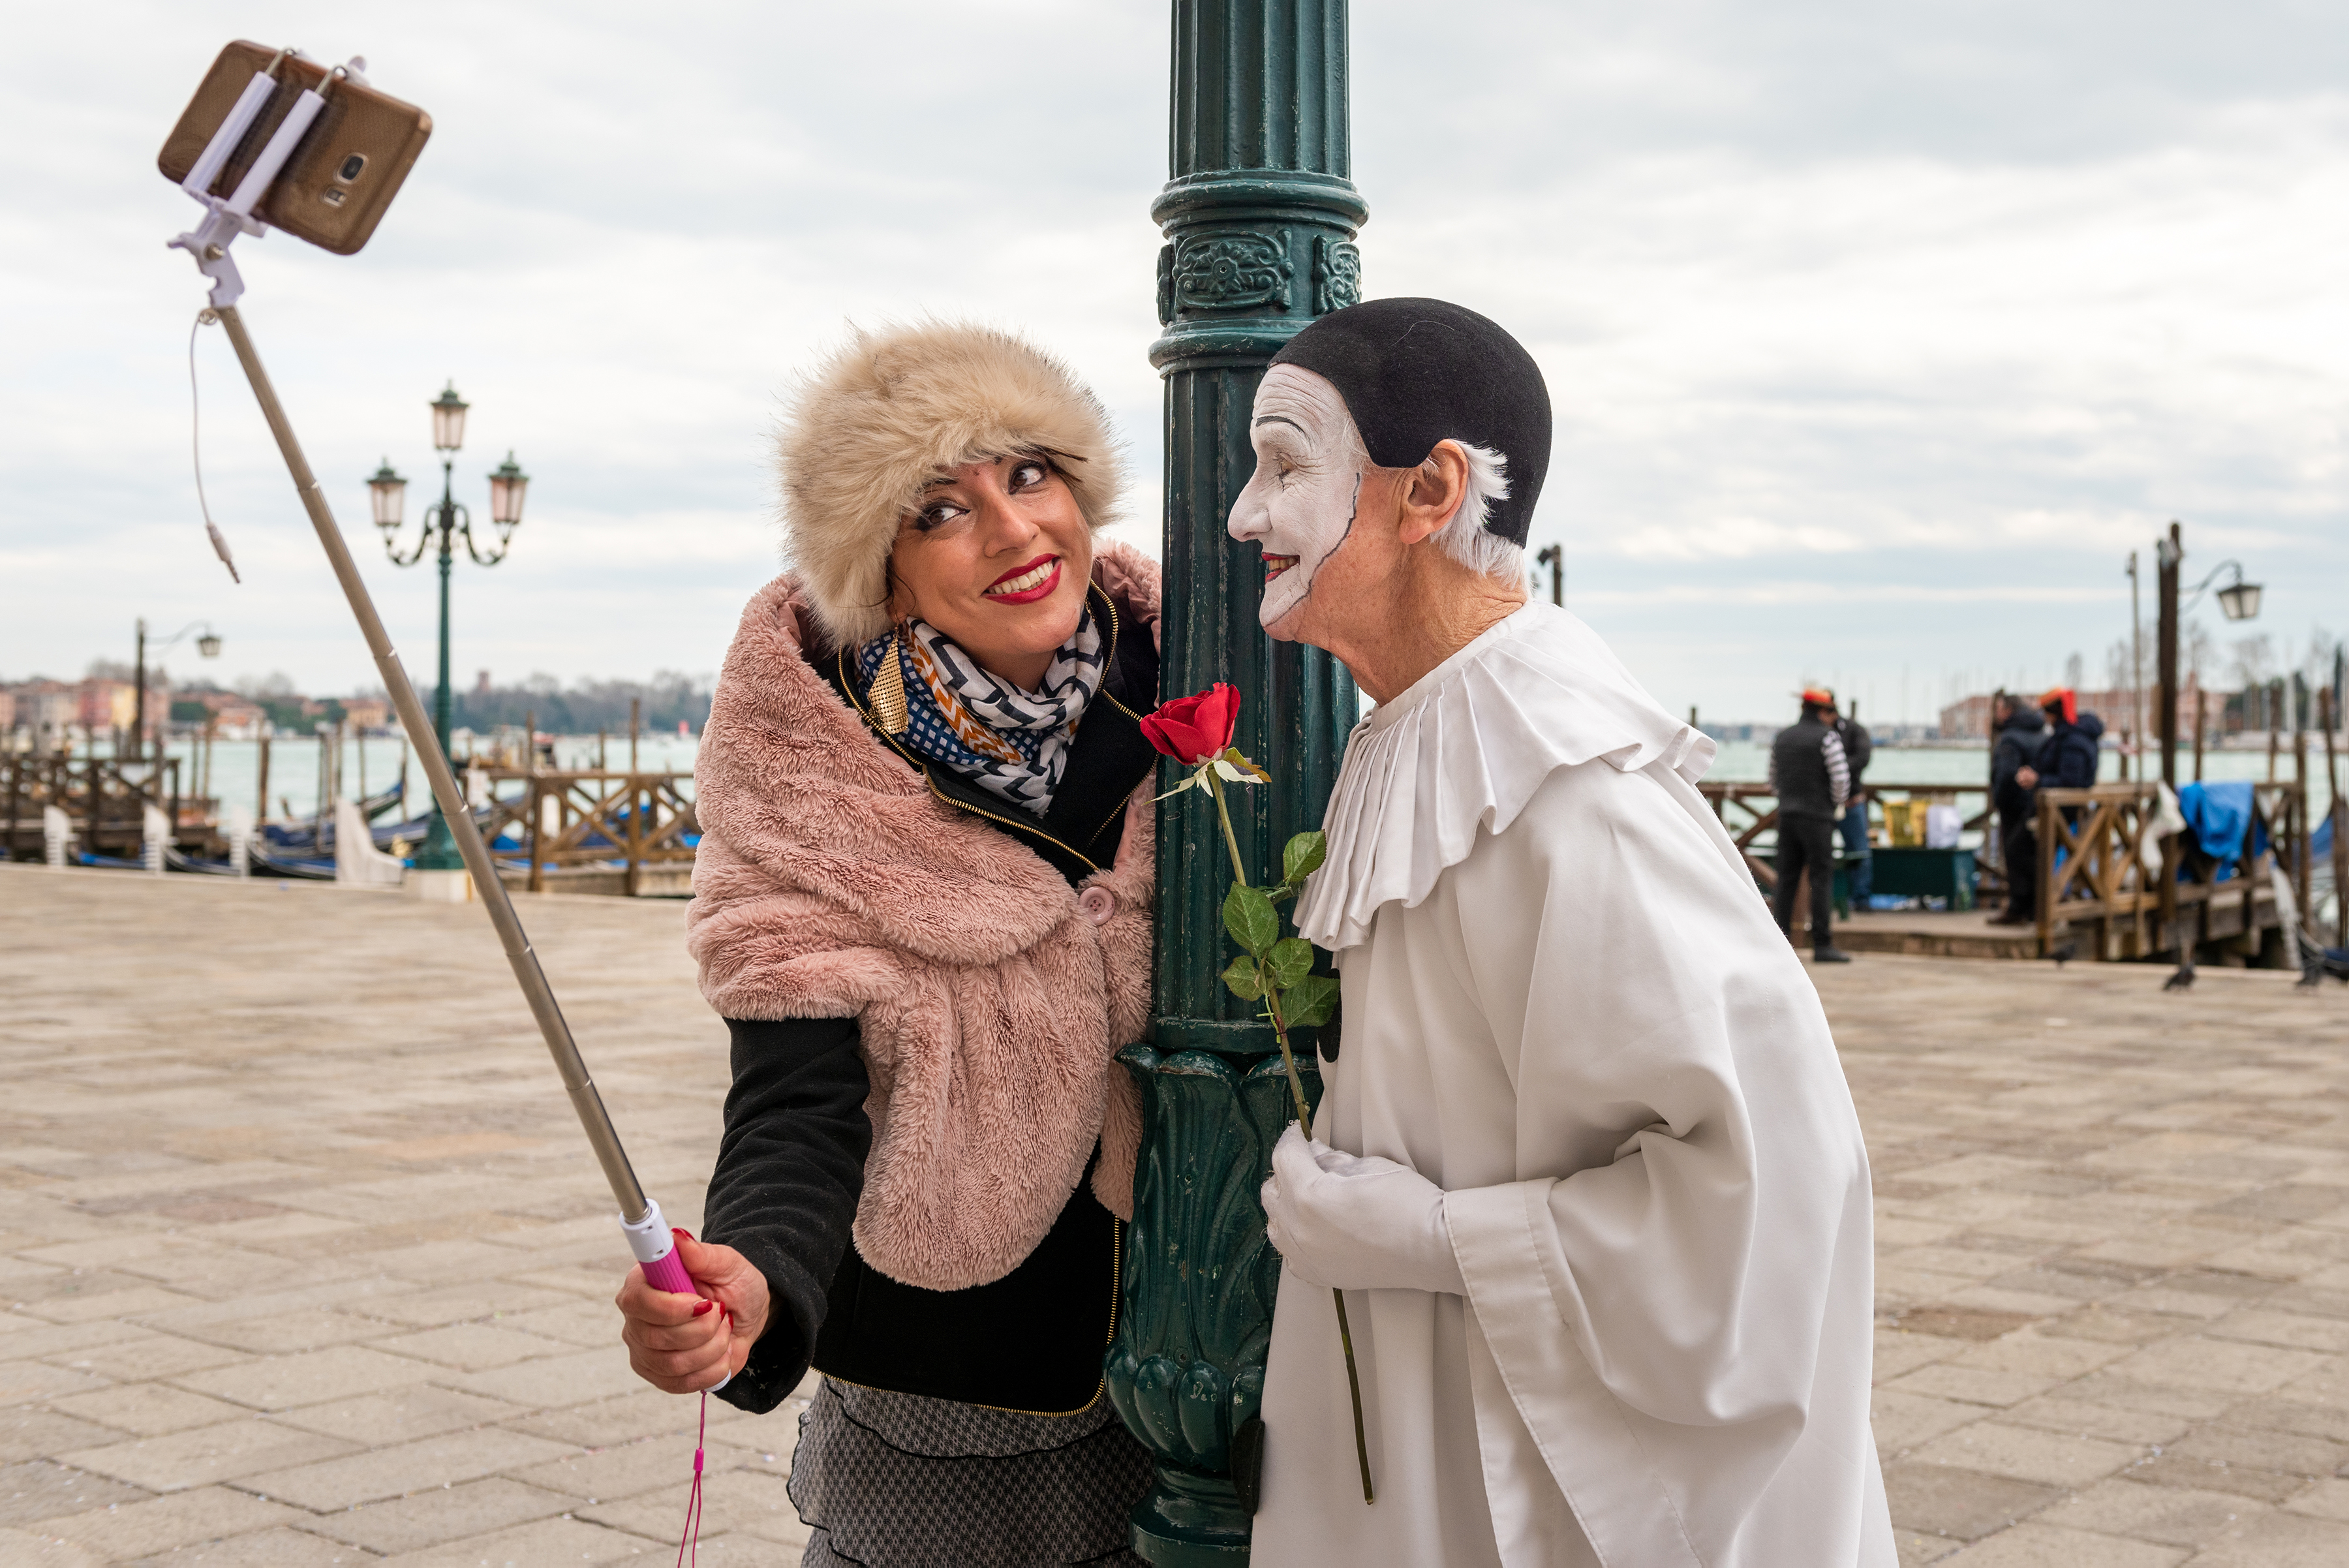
pixel 1414 372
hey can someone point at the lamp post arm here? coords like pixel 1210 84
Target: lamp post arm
pixel 423 543
pixel 2195 593
pixel 174 640
pixel 497 553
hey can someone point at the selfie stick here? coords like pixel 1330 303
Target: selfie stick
pixel 640 1217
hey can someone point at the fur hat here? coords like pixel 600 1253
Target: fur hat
pixel 887 412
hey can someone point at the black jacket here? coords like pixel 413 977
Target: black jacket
pixel 2067 757
pixel 1856 748
pixel 2017 744
pixel 1800 772
pixel 790 1163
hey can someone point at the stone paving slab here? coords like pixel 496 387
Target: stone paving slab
pixel 306 1263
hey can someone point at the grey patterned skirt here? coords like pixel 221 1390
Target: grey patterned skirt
pixel 897 1481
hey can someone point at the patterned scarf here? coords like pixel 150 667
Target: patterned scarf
pixel 1011 743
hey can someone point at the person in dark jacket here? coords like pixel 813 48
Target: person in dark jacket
pixel 1852 828
pixel 922 904
pixel 2020 729
pixel 1811 779
pixel 2067 757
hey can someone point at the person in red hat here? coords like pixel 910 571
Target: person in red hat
pixel 1812 778
pixel 2068 757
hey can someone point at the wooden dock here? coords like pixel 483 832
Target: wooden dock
pixel 1931 933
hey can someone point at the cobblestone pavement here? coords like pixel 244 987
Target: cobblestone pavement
pixel 2112 1260
pixel 305 1261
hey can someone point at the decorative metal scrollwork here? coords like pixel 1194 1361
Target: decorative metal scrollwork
pixel 1337 276
pixel 1231 271
pixel 1186 1368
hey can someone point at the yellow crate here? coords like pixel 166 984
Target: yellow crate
pixel 1904 820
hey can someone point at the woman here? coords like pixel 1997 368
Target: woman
pixel 922 904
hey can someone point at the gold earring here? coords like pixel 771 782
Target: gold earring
pixel 888 694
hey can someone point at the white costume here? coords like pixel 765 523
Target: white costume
pixel 1566 1008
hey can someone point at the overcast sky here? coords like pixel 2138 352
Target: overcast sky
pixel 1877 336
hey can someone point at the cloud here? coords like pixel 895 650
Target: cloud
pixel 1878 338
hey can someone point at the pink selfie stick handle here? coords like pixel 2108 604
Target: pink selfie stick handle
pixel 655 1245
pixel 665 1274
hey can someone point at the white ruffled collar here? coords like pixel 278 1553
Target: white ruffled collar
pixel 1464 748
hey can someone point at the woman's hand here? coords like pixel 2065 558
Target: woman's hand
pixel 681 1344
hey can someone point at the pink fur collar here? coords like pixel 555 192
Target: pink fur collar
pixel 831 882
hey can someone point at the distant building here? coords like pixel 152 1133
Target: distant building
pixel 366 713
pixel 1968 719
pixel 55 709
pixel 106 705
pixel 234 719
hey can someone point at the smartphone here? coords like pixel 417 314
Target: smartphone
pixel 346 168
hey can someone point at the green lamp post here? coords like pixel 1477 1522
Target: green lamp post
pixel 1259 217
pixel 446 522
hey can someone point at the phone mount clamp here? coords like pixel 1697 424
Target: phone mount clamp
pixel 649 1236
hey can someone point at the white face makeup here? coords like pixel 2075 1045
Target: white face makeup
pixel 1299 504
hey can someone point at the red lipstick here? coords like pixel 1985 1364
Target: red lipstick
pixel 1040 588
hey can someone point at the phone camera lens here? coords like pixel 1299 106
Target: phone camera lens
pixel 351 167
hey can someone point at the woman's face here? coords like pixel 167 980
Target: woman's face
pixel 997 556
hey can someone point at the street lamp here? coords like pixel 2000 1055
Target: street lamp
pixel 1553 557
pixel 2238 600
pixel 387 496
pixel 208 643
pixel 445 522
pixel 508 483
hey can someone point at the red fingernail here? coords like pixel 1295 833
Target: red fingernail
pixel 702 1306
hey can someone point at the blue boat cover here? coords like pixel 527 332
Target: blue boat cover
pixel 2218 813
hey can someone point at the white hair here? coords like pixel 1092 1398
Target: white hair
pixel 1464 538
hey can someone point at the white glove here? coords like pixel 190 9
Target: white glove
pixel 1357 1224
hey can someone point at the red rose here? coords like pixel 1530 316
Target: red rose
pixel 1193 730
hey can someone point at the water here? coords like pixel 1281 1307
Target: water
pixel 293 767
pixel 1748 762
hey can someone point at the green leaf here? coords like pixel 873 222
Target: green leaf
pixel 1309 1002
pixel 1291 960
pixel 1245 979
pixel 1248 915
pixel 1303 857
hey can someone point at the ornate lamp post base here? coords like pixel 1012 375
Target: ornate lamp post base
pixel 1186 1369
pixel 439 850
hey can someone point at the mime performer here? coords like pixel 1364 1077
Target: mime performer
pixel 1587 1167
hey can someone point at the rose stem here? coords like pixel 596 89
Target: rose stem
pixel 1345 1330
pixel 1305 1122
pixel 1224 816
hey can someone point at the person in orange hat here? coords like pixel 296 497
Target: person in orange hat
pixel 1811 777
pixel 2067 757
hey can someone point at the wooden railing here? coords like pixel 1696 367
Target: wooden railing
pixel 2102 887
pixel 573 818
pixel 1754 818
pixel 105 800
